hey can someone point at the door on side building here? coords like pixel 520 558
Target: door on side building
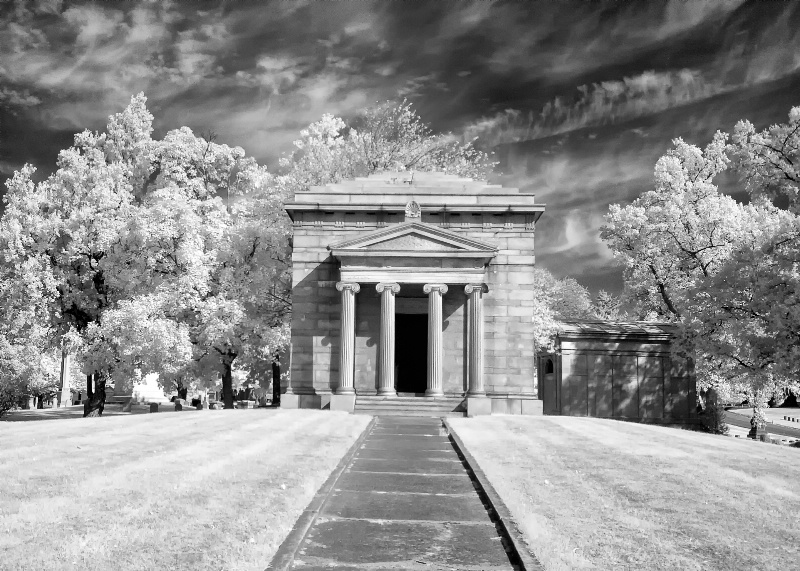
pixel 411 353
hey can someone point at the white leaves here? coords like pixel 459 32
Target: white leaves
pixel 388 137
pixel 725 270
pixel 555 300
pixel 148 254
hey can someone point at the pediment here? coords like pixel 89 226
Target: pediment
pixel 412 242
pixel 413 238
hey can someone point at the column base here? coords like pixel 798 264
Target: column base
pixel 345 391
pixel 434 393
pixel 478 406
pixel 343 402
pixel 386 393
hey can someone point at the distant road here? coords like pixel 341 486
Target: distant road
pixel 744 422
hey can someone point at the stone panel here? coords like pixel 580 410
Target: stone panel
pixel 602 381
pixel 676 389
pixel 651 387
pixel 625 392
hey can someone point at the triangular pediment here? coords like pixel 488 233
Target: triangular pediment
pixel 412 237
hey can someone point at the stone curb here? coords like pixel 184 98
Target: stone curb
pixel 283 559
pixel 527 560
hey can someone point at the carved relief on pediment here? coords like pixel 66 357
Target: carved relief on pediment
pixel 412 242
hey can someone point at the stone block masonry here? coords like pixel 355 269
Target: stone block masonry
pixel 461 247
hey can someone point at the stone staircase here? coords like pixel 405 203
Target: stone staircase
pixel 410 406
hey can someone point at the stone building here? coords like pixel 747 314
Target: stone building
pixel 622 370
pixel 411 289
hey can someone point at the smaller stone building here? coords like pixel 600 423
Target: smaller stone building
pixel 623 370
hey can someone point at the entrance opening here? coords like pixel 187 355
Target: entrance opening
pixel 411 352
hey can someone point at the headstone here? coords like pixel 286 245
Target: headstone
pixel 153 407
pixel 179 404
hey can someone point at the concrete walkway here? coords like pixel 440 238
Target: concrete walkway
pixel 405 501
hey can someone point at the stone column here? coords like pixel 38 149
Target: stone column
pixel 435 344
pixel 347 337
pixel 386 349
pixel 475 310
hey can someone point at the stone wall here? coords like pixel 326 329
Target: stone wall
pixel 632 380
pixel 509 361
pixel 509 355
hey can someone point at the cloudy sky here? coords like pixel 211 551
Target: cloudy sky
pixel 577 99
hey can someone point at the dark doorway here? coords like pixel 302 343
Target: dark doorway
pixel 411 352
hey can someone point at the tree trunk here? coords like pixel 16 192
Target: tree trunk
pixel 89 387
pixel 97 402
pixel 183 391
pixel 227 383
pixel 276 383
pixel 39 401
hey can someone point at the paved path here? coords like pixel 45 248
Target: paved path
pixel 406 502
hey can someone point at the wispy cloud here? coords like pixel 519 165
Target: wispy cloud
pixel 12 98
pixel 596 104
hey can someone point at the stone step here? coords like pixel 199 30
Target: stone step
pixel 416 402
pixel 410 412
pixel 411 404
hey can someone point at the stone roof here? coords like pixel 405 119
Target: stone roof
pixel 434 191
pixel 616 329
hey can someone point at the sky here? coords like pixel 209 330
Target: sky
pixel 577 100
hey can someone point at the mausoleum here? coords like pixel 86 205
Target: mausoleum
pixel 622 370
pixel 413 290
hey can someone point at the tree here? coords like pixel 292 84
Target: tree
pixel 671 238
pixel 722 270
pixel 207 252
pixel 164 256
pixel 556 300
pixel 608 306
pixel 386 137
pixel 59 232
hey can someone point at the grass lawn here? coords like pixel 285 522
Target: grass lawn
pixel 202 490
pixel 591 493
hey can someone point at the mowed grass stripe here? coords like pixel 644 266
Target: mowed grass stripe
pixel 214 490
pixel 591 492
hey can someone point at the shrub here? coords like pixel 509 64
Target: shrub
pixel 713 418
pixel 11 392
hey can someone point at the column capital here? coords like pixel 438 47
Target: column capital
pixel 341 286
pixel 392 287
pixel 441 288
pixel 482 288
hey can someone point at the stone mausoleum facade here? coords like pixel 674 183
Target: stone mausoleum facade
pixel 622 370
pixel 413 285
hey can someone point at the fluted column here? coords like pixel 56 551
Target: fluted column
pixel 475 311
pixel 386 349
pixel 347 341
pixel 435 344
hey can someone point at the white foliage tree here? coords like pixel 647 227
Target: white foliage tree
pixel 726 272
